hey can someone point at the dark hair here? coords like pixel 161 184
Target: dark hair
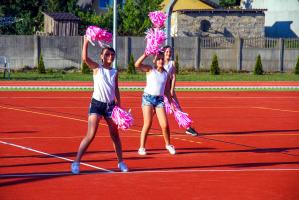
pixel 107 48
pixel 166 47
pixel 160 53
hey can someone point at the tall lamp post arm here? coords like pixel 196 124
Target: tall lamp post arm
pixel 168 21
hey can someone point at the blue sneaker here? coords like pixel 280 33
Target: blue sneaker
pixel 123 167
pixel 75 168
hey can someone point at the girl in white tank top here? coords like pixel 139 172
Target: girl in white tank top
pixel 169 66
pixel 153 101
pixel 105 96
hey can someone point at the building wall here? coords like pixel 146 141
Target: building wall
pixel 281 17
pixel 228 24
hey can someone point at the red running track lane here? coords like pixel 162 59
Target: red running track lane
pixel 142 83
pixel 248 149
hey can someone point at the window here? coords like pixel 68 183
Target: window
pixel 205 25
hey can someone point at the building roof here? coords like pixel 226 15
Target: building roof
pixel 225 10
pixel 62 16
pixel 190 5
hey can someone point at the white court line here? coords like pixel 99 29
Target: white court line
pixel 158 171
pixel 216 170
pixel 51 155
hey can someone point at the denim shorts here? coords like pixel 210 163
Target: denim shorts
pixel 150 100
pixel 100 108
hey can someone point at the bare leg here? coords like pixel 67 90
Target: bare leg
pixel 115 138
pixel 176 99
pixel 147 123
pixel 161 115
pixel 189 130
pixel 93 123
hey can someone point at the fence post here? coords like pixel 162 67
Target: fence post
pixel 197 54
pixel 281 54
pixel 239 46
pixel 37 49
pixel 127 51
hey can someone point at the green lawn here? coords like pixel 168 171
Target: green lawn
pixel 183 76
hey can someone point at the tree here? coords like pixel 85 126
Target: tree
pixel 85 69
pixel 135 20
pixel 215 70
pixel 131 66
pixel 258 69
pixel 227 3
pixel 177 64
pixel 41 66
pixel 297 66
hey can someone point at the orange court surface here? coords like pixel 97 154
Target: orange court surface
pixel 248 148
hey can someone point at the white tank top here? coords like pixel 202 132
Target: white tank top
pixel 169 67
pixel 155 82
pixel 104 84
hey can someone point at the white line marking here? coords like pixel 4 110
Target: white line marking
pixel 51 155
pixel 153 171
pixel 215 170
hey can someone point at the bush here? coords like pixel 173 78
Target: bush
pixel 177 64
pixel 41 66
pixel 258 69
pixel 131 66
pixel 215 70
pixel 85 69
pixel 297 66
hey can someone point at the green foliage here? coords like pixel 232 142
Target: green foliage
pixel 227 3
pixel 258 69
pixel 177 64
pixel 41 66
pixel 29 13
pixel 85 69
pixel 297 66
pixel 131 66
pixel 135 20
pixel 132 18
pixel 215 70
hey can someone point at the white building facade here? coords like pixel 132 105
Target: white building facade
pixel 281 17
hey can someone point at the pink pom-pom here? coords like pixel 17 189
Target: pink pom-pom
pixel 182 119
pixel 167 106
pixel 155 38
pixel 122 118
pixel 94 33
pixel 157 18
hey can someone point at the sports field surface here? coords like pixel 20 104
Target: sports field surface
pixel 248 147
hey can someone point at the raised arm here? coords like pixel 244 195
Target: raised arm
pixel 140 66
pixel 91 64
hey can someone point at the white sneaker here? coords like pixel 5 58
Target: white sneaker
pixel 123 167
pixel 171 149
pixel 75 168
pixel 141 151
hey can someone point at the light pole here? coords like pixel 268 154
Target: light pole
pixel 168 22
pixel 114 31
